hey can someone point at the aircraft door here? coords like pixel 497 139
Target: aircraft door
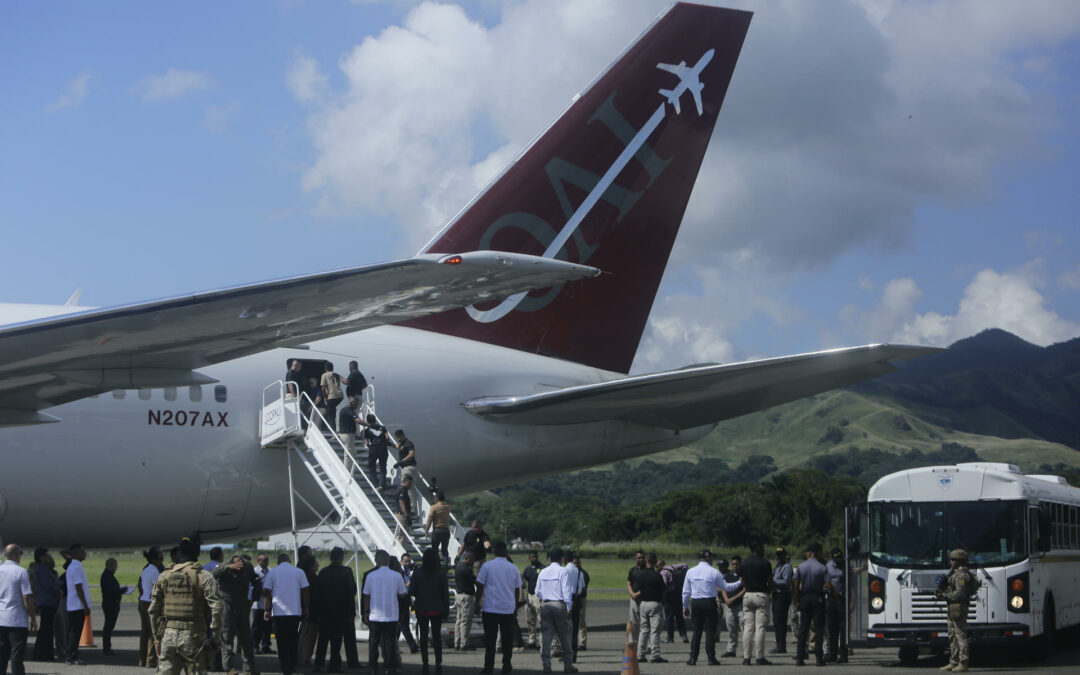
pixel 856 577
pixel 227 496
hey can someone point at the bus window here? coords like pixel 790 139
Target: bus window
pixel 992 532
pixel 910 534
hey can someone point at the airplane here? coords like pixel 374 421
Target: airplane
pixel 689 79
pixel 128 425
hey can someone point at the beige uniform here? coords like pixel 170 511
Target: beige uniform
pixel 184 598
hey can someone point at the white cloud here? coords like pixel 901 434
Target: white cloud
pixel 1008 301
pixel 216 117
pixel 73 95
pixel 306 81
pixel 838 126
pixel 173 84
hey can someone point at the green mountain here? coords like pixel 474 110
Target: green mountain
pixel 1005 399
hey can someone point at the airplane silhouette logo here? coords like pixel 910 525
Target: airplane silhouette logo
pixel 689 80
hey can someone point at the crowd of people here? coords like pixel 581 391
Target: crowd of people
pixel 219 615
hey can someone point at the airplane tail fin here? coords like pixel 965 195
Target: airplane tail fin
pixel 606 185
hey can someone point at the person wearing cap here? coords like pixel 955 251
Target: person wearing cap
pixel 835 608
pixel 699 592
pixel 783 577
pixel 186 601
pixel 957 590
pixel 810 596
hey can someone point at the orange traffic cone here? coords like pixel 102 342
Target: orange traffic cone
pixel 87 639
pixel 629 659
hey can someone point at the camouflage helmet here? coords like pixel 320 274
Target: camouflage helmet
pixel 959 554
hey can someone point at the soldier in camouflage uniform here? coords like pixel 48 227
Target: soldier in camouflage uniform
pixel 956 590
pixel 185 598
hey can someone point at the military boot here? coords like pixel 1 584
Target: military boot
pixel 948 666
pixel 960 668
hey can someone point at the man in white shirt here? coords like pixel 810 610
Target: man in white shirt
pixel 497 600
pixel 699 604
pixel 286 598
pixel 383 588
pixel 78 602
pixel 575 581
pixel 556 605
pixel 16 610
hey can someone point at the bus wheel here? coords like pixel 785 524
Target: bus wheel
pixel 908 655
pixel 1042 646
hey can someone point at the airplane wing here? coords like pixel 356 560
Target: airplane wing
pixel 54 360
pixel 692 397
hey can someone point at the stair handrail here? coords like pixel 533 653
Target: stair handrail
pixel 274 393
pixel 355 465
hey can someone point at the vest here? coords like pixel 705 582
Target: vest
pixel 184 598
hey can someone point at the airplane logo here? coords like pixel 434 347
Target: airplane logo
pixel 689 80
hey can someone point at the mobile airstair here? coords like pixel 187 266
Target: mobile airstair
pixel 359 511
pixel 361 514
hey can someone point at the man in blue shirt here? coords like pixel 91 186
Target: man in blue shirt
pixel 810 595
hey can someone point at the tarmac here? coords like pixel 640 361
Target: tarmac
pixel 606 642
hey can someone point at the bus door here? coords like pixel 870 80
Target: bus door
pixel 856 577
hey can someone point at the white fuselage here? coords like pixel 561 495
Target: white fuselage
pixel 121 470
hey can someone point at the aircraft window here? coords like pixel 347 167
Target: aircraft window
pixel 170 393
pixel 144 394
pixel 119 394
pixel 195 393
pixel 220 393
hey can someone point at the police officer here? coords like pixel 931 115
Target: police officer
pixel 810 596
pixel 184 598
pixel 835 608
pixel 783 577
pixel 956 590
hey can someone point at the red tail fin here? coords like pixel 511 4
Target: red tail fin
pixel 606 185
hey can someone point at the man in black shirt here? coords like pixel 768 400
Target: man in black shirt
pixel 111 593
pixel 653 591
pixel 464 599
pixel 404 513
pixel 376 439
pixel 532 605
pixel 346 425
pixel 294 383
pixel 235 579
pixel 406 455
pixel 757 580
pixel 635 592
pixel 477 542
pixel 335 593
pixel 355 383
pixel 732 604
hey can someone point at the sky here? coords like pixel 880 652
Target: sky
pixel 881 171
